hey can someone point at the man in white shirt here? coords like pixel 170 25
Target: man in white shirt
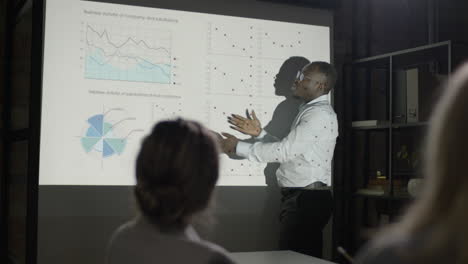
pixel 305 158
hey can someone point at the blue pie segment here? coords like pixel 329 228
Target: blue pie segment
pixel 117 144
pixel 97 122
pixel 101 138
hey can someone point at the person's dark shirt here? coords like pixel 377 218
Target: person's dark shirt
pixel 140 242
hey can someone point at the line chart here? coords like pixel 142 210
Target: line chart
pixel 127 54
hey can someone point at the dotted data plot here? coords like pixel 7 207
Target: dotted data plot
pixel 233 40
pixel 220 111
pixel 239 77
pixel 272 81
pixel 233 168
pixel 166 109
pixel 282 42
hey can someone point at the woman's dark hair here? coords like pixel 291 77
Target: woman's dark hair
pixel 176 171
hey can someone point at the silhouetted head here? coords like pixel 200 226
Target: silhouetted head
pixel 287 74
pixel 176 172
pixel 316 79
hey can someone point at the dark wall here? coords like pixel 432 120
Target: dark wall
pixel 15 73
pixel 382 26
pixel 342 44
pixel 453 20
pixel 76 222
pixel 365 28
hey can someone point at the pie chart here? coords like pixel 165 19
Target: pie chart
pixel 101 137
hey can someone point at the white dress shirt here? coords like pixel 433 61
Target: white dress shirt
pixel 306 153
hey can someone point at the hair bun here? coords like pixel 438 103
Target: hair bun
pixel 176 172
pixel 165 202
pixel 168 193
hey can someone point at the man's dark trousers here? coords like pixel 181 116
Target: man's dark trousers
pixel 304 214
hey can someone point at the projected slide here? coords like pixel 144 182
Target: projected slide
pixel 233 78
pixel 165 109
pixel 122 55
pixel 106 136
pixel 99 137
pixel 233 40
pixel 128 67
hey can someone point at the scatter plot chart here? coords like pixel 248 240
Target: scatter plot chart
pixel 166 109
pixel 239 77
pixel 233 40
pixel 218 114
pixel 245 59
pixel 220 110
pixel 274 44
pixel 236 168
pixel 285 41
pixel 241 168
pixel 270 81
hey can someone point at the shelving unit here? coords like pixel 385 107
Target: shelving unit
pixel 398 89
pixel 371 127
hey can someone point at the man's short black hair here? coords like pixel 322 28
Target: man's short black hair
pixel 327 69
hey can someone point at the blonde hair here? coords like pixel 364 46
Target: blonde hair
pixel 441 211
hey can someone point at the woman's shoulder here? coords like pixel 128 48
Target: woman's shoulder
pixel 220 255
pixel 390 249
pixel 138 239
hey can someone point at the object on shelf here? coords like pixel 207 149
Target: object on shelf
pixel 384 219
pixel 399 187
pixel 411 101
pixel 370 192
pixel 406 103
pixel 415 186
pixel 369 123
pixel 412 96
pixel 380 176
pixel 406 162
pixel 379 183
pixel 400 191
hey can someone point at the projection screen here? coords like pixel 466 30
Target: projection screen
pixel 111 71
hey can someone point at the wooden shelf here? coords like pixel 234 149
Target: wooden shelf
pixel 378 127
pixel 394 125
pixel 409 125
pixel 402 52
pixel 368 193
pixel 404 173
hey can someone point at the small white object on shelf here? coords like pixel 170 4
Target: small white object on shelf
pixel 414 186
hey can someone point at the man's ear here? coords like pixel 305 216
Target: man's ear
pixel 322 87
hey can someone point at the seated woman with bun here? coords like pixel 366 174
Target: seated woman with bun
pixel 176 172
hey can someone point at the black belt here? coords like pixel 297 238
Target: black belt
pixel 318 185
